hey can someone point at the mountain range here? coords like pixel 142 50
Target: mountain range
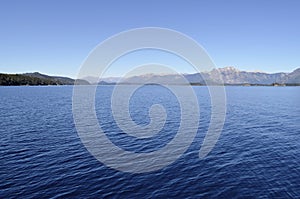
pixel 229 75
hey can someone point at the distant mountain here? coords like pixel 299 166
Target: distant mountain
pixel 95 80
pixel 232 75
pixel 229 75
pixel 91 79
pixel 152 78
pixel 37 79
pixel 294 77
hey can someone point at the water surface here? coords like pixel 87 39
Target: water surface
pixel 257 155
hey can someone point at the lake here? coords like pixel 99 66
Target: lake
pixel 256 156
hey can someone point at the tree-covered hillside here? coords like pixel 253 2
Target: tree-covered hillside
pixel 36 79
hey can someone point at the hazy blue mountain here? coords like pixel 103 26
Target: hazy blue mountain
pixel 152 78
pixel 294 77
pixel 229 75
pixel 104 80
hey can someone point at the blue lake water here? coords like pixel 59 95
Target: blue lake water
pixel 256 156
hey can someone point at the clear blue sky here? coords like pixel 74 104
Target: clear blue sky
pixel 54 37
